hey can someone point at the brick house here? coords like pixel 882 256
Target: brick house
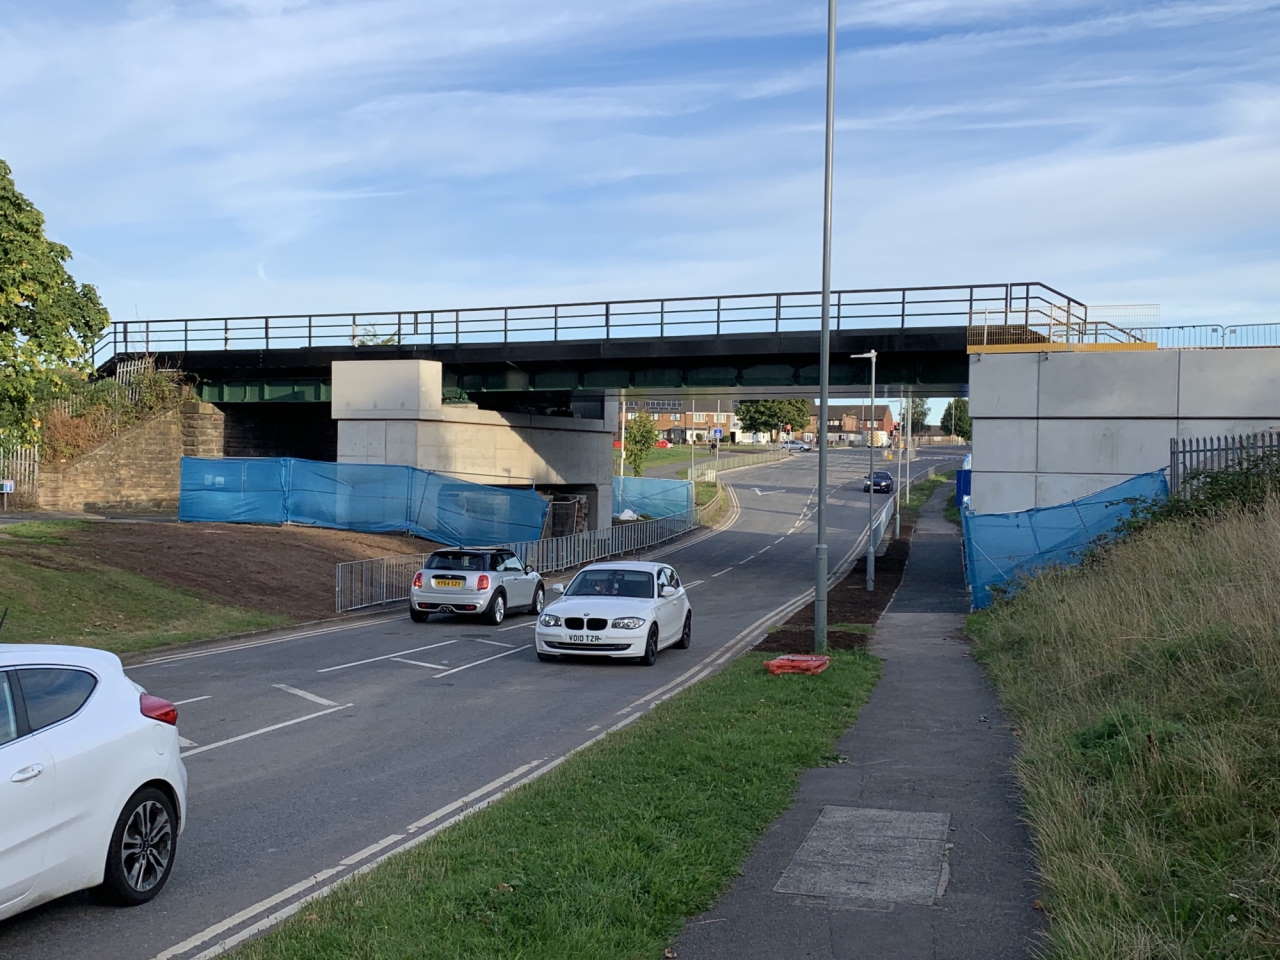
pixel 849 418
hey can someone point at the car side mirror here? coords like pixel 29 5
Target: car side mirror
pixel 667 590
pixel 557 588
pixel 528 568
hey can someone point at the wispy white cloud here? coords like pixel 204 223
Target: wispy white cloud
pixel 391 152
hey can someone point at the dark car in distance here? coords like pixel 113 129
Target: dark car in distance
pixel 882 480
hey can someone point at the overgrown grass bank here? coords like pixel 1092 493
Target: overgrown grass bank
pixel 606 856
pixel 53 598
pixel 1146 685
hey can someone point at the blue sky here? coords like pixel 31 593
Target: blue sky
pixel 246 156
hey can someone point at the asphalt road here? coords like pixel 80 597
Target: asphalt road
pixel 316 753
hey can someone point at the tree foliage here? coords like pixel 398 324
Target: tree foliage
pixel 641 437
pixel 765 416
pixel 919 408
pixel 955 419
pixel 48 322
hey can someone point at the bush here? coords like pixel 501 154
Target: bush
pixel 89 412
pixel 1246 484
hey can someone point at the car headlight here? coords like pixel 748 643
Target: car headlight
pixel 628 623
pixel 549 620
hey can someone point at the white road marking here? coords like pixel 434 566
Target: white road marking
pixel 179 703
pixel 464 800
pixel 498 643
pixel 516 626
pixel 371 849
pixel 721 573
pixel 594 726
pixel 420 663
pixel 304 695
pixel 159 661
pixel 258 733
pixel 765 493
pixel 696 583
pixel 496 656
pixel 184 742
pixel 389 656
pixel 779 540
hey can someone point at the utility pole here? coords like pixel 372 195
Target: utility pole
pixel 897 487
pixel 824 349
pixel 622 435
pixel 871 469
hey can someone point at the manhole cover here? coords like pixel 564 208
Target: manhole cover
pixel 896 856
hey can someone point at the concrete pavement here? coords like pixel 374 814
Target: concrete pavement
pixel 313 754
pixel 914 849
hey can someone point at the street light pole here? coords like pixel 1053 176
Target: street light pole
pixel 871 500
pixel 824 358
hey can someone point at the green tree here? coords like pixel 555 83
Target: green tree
pixel 955 419
pixel 919 412
pixel 48 322
pixel 765 416
pixel 641 437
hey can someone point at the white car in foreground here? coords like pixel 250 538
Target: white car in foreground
pixel 617 610
pixel 92 789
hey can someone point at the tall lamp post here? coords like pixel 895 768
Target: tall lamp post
pixel 824 349
pixel 871 466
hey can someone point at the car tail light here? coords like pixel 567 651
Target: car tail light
pixel 482 582
pixel 417 580
pixel 158 709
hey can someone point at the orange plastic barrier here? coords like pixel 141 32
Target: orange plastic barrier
pixel 798 663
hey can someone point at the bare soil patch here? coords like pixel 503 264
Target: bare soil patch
pixel 283 570
pixel 849 604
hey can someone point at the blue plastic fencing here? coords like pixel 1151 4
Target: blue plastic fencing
pixel 1002 548
pixel 964 482
pixel 652 497
pixel 374 498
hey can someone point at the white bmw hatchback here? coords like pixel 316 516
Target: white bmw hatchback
pixel 617 610
pixel 93 792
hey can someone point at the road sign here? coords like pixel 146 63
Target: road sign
pixel 718 432
pixel 6 486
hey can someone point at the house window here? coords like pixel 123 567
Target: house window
pixel 631 415
pixel 699 418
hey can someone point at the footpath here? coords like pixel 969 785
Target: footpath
pixel 913 846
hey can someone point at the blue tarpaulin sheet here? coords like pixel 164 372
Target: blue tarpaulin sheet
pixel 1003 548
pixel 652 496
pixel 374 498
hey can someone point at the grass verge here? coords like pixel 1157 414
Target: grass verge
pixel 1146 684
pixel 606 856
pixel 54 598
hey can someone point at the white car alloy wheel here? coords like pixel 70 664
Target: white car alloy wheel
pixel 498 608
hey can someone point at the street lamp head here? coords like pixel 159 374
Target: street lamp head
pixel 869 355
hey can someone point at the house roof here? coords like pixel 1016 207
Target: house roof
pixel 858 410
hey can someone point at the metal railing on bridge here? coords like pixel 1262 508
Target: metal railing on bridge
pixel 876 308
pixel 1191 458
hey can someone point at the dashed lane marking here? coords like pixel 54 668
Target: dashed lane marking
pixel 183 703
pixel 496 656
pixel 304 695
pixel 258 733
pixel 420 663
pixel 389 656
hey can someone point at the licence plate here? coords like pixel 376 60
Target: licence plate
pixel 447 582
pixel 585 638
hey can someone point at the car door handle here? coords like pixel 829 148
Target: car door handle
pixel 28 773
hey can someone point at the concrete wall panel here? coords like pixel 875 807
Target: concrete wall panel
pixel 1003 385
pixel 1005 445
pixel 1116 446
pixel 385 389
pixel 1230 383
pixel 1002 492
pixel 1053 489
pixel 1109 384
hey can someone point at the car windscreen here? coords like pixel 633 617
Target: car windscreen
pixel 612 583
pixel 882 475
pixel 457 560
